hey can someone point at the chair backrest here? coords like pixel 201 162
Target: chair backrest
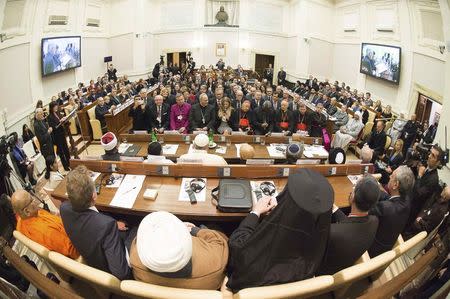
pixel 358 272
pixel 33 246
pixel 299 289
pixel 388 126
pixel 91 113
pixel 367 128
pixel 372 116
pixel 96 278
pixel 406 246
pixel 36 142
pixel 388 142
pixel 146 290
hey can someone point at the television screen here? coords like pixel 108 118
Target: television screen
pixel 60 54
pixel 381 61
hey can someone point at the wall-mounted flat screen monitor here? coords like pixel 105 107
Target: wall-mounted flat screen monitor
pixel 59 54
pixel 381 61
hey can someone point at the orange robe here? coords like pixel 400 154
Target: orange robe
pixel 47 229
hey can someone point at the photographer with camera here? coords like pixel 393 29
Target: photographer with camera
pixel 427 181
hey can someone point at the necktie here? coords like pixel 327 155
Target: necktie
pixel 159 112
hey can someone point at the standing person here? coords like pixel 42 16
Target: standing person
pixel 27 134
pixel 112 73
pixel 56 122
pixel 137 113
pixel 409 132
pixel 158 114
pixel 43 133
pixel 318 122
pixel 281 77
pixel 179 115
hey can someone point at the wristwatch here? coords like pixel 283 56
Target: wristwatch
pixel 256 213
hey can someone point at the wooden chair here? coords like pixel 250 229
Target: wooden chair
pixel 388 142
pixel 95 124
pixel 388 126
pixel 138 289
pixel 102 283
pixel 73 126
pixel 351 281
pixel 367 128
pixel 299 289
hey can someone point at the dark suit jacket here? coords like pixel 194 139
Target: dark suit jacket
pixel 254 105
pixel 377 141
pixel 279 117
pixel 100 114
pixel 422 192
pixel 140 121
pixel 349 238
pixel 195 117
pixel 260 117
pixel 281 77
pixel 97 239
pixel 392 216
pixel 44 138
pixel 318 122
pixel 152 114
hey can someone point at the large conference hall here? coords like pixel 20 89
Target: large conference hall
pixel 224 149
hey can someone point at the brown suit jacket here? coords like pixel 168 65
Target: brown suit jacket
pixel 209 259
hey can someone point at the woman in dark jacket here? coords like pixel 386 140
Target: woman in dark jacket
pixel 55 120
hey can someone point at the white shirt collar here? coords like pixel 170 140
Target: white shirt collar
pixel 93 208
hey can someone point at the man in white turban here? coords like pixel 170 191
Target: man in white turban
pixel 169 252
pixel 349 132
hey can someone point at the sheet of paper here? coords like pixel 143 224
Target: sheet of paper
pixel 255 185
pixel 94 175
pixel 128 191
pixel 185 184
pixel 221 150
pixel 114 180
pixel 123 147
pixel 238 149
pixel 354 178
pixel 314 151
pixel 170 149
pixel 277 151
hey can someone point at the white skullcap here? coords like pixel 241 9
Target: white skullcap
pixel 163 243
pixel 201 140
pixel 108 141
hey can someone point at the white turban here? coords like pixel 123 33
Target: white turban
pixel 108 141
pixel 163 243
pixel 201 140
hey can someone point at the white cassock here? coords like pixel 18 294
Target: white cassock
pixel 352 129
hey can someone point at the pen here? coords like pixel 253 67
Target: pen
pixel 129 190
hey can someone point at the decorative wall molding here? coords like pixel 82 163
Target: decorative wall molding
pixel 384 15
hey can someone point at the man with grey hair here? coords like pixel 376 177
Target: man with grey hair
pixel 239 100
pixel 43 134
pixel 202 115
pixel 392 210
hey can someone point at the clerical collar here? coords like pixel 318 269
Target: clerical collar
pixel 358 214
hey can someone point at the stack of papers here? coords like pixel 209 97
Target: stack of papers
pixel 184 196
pixel 170 149
pixel 123 147
pixel 354 178
pixel 277 150
pixel 128 191
pixel 314 151
pixel 114 180
pixel 94 175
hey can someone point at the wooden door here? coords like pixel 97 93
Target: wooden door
pixel 262 62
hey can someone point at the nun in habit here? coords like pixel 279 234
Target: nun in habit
pixel 289 243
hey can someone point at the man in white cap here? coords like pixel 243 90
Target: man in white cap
pixel 200 155
pixel 171 253
pixel 348 133
pixel 109 144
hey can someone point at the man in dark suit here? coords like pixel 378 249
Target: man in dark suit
pixel 409 133
pixel 100 110
pixel 281 77
pixel 268 74
pixel 263 119
pixel 284 119
pixel 350 236
pixel 427 182
pixel 102 241
pixel 309 81
pixel 377 140
pixel 43 133
pixel 158 115
pixel 392 211
pixel 257 101
pixel 202 115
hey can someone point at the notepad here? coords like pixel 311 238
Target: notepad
pixel 128 191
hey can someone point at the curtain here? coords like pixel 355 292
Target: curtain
pixel 231 8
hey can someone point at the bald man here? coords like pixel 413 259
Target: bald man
pixel 41 226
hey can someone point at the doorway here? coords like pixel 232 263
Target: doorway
pixel 428 110
pixel 262 62
pixel 176 58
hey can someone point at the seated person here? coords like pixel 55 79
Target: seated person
pixel 24 165
pixel 171 253
pixel 226 121
pixel 349 132
pixel 158 114
pixel 199 153
pixel 155 154
pixel 110 145
pixel 294 151
pixel 332 108
pixel 263 120
pixel 138 114
pixel 392 210
pixel 377 140
pixel 386 165
pixel 52 173
pixel 352 235
pixel 41 226
pixel 100 110
pixel 245 118
pixel 102 241
pixel 262 251
pixel 202 115
pixel 179 115
pixel 341 117
pixel 318 122
pixel 284 120
pixel 366 155
pixel 302 118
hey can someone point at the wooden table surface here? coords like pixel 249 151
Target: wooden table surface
pixel 167 199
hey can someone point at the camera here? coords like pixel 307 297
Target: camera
pixel 423 151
